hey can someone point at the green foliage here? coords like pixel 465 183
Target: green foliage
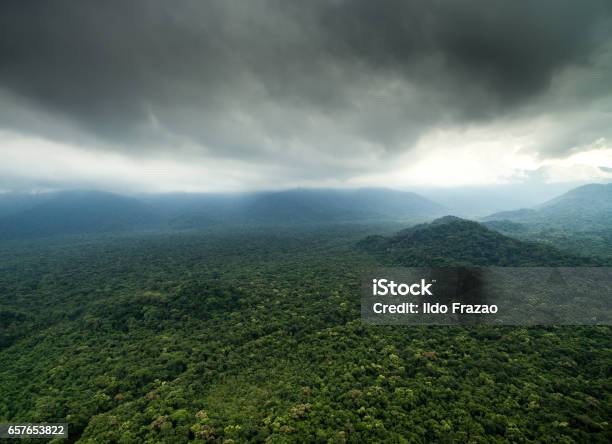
pixel 255 336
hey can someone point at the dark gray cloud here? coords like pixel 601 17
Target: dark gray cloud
pixel 287 80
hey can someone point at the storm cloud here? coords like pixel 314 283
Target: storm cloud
pixel 324 89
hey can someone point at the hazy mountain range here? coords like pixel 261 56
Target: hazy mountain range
pixel 28 216
pixel 584 208
pixel 76 212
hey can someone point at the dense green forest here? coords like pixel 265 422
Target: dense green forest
pixel 255 335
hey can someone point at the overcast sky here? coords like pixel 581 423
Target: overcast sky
pixel 257 94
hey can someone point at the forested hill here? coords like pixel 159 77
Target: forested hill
pixel 454 241
pixel 584 208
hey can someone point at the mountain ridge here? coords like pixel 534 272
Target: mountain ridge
pixel 75 212
pixel 584 208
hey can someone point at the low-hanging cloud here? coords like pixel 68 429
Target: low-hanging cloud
pixel 334 85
